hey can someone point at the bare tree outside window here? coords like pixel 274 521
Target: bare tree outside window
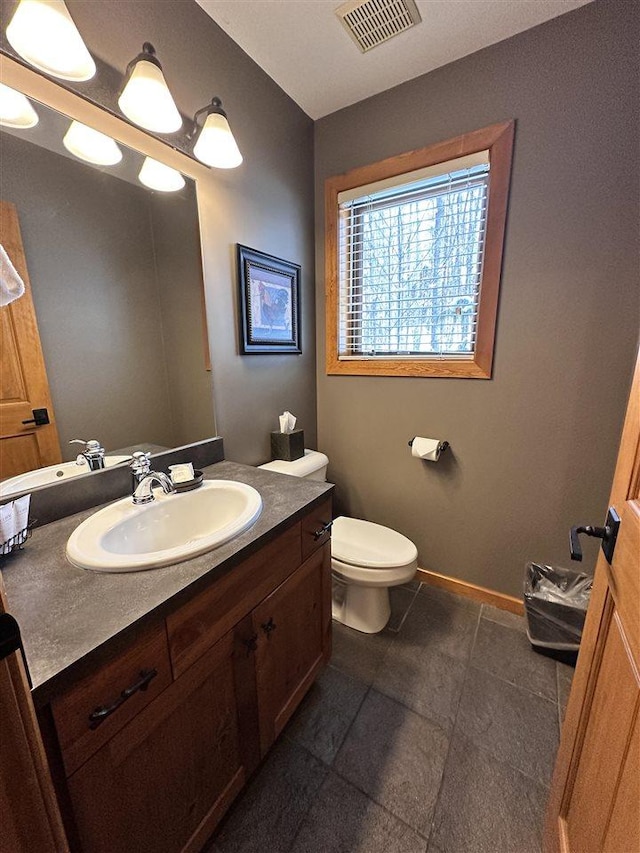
pixel 416 290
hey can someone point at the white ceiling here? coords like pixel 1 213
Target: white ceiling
pixel 303 46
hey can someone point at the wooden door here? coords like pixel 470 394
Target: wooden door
pixel 23 378
pixel 293 627
pixel 595 794
pixel 29 817
pixel 163 781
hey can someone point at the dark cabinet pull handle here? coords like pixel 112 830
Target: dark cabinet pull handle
pixel 103 711
pixel 326 527
pixel 251 644
pixel 268 627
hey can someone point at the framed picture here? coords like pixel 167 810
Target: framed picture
pixel 269 303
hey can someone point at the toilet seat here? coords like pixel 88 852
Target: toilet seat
pixel 395 576
pixel 363 544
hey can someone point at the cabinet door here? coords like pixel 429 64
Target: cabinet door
pixel 164 780
pixel 293 630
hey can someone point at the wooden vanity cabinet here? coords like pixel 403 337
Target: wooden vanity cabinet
pixel 167 765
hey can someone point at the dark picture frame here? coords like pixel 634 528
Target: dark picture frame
pixel 269 303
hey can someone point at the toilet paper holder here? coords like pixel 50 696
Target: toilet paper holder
pixel 442 446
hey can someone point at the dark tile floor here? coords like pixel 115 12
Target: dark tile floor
pixel 436 736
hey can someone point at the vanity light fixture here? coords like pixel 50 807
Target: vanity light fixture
pixel 215 145
pixel 146 98
pixel 91 145
pixel 15 109
pixel 43 33
pixel 159 177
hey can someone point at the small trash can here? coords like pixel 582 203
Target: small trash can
pixel 556 602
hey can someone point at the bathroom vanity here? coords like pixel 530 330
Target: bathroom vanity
pixel 159 692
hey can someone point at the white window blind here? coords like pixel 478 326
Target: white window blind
pixel 410 263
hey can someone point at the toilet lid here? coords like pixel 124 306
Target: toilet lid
pixel 363 543
pixel 311 462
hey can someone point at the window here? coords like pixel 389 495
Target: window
pixel 414 247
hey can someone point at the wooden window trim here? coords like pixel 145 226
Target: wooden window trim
pixel 498 140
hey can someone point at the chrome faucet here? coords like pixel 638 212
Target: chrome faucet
pixel 143 478
pixel 143 493
pixel 140 466
pixel 93 453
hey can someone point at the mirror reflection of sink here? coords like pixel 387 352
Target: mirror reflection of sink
pixel 51 474
pixel 124 537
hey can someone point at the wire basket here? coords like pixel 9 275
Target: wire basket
pixel 16 542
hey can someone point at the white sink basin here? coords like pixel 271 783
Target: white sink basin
pixel 123 537
pixel 51 474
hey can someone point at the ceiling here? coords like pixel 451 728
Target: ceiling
pixel 302 45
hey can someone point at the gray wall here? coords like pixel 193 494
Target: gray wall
pixel 267 203
pixel 533 449
pixel 174 228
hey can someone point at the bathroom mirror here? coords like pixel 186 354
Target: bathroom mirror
pixel 117 283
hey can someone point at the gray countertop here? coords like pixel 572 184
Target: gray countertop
pixel 71 620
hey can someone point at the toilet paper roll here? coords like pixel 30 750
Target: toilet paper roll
pixel 426 448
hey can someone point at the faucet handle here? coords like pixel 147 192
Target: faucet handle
pixel 90 446
pixel 140 463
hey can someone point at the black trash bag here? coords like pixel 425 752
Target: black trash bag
pixel 556 602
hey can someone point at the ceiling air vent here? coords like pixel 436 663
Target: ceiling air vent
pixel 375 21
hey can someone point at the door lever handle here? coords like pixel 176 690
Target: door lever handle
pixel 608 534
pixel 576 549
pixel 40 417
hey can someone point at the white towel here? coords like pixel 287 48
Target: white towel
pixel 11 285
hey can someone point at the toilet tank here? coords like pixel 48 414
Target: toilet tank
pixel 313 466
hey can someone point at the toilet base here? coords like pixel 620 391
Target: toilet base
pixel 364 608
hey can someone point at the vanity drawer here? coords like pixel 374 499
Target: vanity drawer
pixel 312 525
pixel 199 624
pixel 99 705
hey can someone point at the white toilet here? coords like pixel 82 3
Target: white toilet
pixel 366 558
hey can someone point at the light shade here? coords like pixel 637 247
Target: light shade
pixel 146 98
pixel 91 145
pixel 44 35
pixel 215 145
pixel 157 176
pixel 16 109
